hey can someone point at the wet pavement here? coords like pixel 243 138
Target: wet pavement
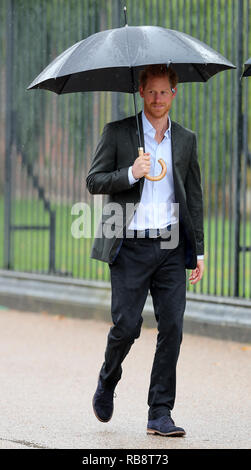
pixel 49 367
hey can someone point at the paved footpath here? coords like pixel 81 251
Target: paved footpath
pixel 49 366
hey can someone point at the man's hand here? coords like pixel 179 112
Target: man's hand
pixel 197 273
pixel 141 166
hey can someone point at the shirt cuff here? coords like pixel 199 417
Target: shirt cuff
pixel 200 256
pixel 131 178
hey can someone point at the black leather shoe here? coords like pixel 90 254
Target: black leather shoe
pixel 102 402
pixel 165 427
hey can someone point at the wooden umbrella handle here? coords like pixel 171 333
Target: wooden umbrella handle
pixel 162 163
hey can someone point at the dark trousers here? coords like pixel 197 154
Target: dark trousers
pixel 142 265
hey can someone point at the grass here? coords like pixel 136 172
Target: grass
pixel 30 249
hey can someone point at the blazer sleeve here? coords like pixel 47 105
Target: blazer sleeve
pixel 104 177
pixel 195 198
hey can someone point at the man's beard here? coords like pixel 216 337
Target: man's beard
pixel 157 112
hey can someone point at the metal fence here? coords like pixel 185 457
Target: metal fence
pixel 47 141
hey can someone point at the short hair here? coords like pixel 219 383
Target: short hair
pixel 158 70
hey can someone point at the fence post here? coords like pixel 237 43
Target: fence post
pixel 239 143
pixel 117 12
pixel 52 266
pixel 8 135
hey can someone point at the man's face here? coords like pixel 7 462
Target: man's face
pixel 157 96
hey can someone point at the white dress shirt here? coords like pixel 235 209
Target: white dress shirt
pixel 155 208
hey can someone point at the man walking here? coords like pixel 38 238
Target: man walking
pixel 136 254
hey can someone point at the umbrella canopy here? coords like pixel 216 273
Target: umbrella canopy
pixel 247 67
pixel 111 60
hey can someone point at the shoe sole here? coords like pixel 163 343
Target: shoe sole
pixel 97 416
pixel 171 434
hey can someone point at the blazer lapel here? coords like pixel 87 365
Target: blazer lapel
pixel 176 145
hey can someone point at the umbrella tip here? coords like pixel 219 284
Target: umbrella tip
pixel 125 13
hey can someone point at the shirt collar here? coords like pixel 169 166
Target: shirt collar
pixel 149 129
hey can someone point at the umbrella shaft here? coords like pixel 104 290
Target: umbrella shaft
pixel 137 118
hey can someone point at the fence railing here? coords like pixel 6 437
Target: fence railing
pixel 47 141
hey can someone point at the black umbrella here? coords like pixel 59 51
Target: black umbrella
pixel 111 61
pixel 247 68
